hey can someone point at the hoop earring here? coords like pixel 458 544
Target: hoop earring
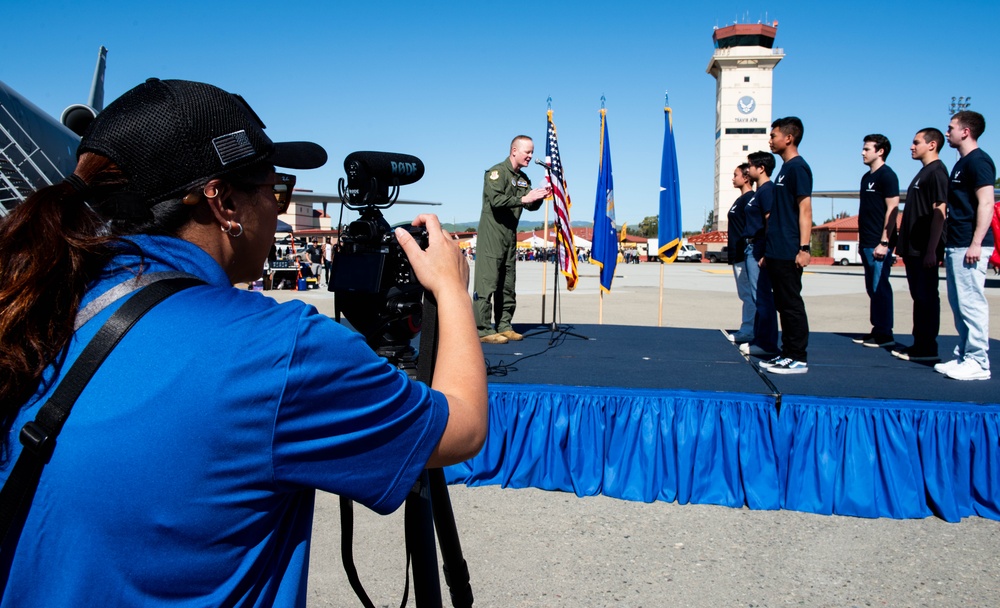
pixel 214 194
pixel 229 230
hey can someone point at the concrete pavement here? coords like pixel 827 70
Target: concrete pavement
pixel 536 548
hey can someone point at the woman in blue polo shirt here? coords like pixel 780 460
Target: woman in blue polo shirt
pixel 186 473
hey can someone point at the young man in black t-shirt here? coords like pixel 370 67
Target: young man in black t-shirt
pixel 920 244
pixel 787 249
pixel 879 202
pixel 968 246
pixel 765 326
pixel 736 246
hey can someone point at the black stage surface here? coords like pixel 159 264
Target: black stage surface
pixel 704 360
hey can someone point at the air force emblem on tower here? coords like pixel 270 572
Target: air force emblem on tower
pixel 746 104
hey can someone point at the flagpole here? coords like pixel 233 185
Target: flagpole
pixel 565 251
pixel 545 253
pixel 545 227
pixel 659 319
pixel 669 231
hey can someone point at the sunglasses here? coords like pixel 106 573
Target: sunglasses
pixel 283 185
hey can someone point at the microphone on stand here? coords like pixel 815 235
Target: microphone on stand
pixel 547 163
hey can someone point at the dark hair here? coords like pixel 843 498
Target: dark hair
pixel 881 142
pixel 763 160
pixel 790 125
pixel 52 246
pixel 931 134
pixel 745 170
pixel 973 121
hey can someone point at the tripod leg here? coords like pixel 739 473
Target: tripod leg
pixel 419 527
pixel 456 570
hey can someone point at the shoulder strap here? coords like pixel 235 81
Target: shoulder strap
pixel 38 436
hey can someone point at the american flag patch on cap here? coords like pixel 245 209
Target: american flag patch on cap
pixel 233 147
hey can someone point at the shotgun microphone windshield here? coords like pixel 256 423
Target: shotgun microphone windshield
pixel 370 175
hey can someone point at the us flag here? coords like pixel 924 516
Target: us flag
pixel 562 204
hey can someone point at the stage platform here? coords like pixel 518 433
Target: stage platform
pixel 645 413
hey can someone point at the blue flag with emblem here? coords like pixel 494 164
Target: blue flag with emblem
pixel 669 230
pixel 605 245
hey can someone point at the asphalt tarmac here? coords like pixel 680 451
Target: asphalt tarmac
pixel 537 548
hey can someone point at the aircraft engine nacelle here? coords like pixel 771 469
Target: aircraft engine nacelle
pixel 78 117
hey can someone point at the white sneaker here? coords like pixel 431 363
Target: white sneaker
pixel 968 369
pixel 738 338
pixel 947 366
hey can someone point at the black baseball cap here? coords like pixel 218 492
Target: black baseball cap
pixel 168 135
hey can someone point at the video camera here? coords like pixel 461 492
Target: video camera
pixel 374 282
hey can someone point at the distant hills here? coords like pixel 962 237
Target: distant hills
pixel 521 226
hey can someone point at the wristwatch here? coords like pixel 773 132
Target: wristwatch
pixel 884 243
pixel 804 248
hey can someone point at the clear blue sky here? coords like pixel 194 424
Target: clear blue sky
pixel 453 82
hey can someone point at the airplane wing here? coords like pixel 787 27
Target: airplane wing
pixel 308 196
pixel 848 194
pixel 37 150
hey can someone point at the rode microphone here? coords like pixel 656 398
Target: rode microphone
pixel 370 175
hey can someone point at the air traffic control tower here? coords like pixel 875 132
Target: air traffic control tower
pixel 743 65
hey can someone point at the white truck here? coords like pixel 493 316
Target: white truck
pixel 685 253
pixel 846 252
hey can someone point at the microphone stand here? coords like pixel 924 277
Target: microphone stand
pixel 554 328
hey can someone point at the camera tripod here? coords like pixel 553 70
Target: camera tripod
pixel 428 506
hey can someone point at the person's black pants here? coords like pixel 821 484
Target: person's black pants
pixel 923 284
pixel 786 282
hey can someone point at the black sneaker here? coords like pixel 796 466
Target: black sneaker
pixel 878 340
pixel 861 339
pixel 908 354
pixel 772 362
pixel 789 366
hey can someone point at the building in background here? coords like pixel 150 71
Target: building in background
pixel 743 66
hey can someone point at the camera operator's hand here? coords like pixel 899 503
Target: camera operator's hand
pixel 441 263
pixel 460 371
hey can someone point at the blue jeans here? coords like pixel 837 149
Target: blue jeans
pixel 967 296
pixel 765 324
pixel 879 291
pixel 749 308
